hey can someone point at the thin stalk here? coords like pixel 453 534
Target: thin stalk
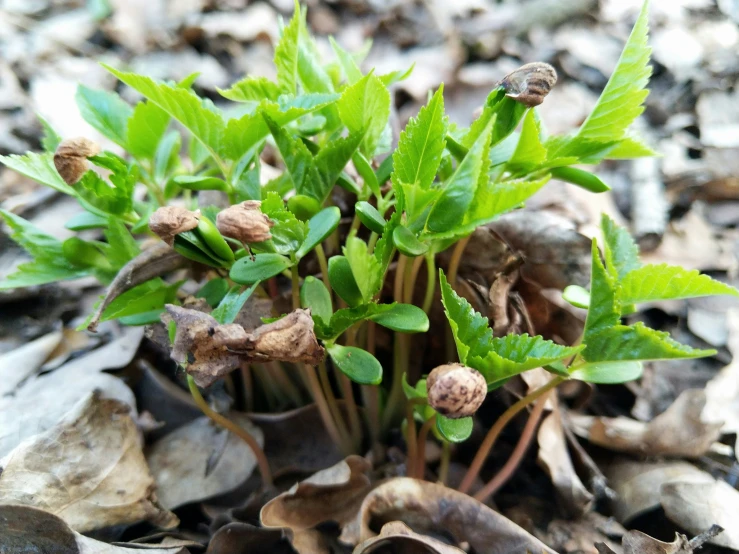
pixel 428 298
pixel 295 278
pixel 408 284
pixel 513 462
pixel 235 429
pixel 446 454
pixel 248 384
pixel 348 391
pixel 371 394
pixel 323 264
pixel 333 406
pixel 315 387
pixel 422 437
pixel 410 436
pixel 285 383
pixel 492 436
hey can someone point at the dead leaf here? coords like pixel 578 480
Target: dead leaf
pixel 24 361
pixel 179 461
pixel 431 508
pixel 26 529
pixel 242 538
pixel 636 542
pixel 678 431
pixel 88 469
pixel 578 536
pixel 397 536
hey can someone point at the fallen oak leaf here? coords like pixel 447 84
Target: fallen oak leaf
pixel 88 469
pixel 402 537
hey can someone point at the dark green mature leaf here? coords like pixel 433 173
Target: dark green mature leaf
pixel 106 112
pixel 370 217
pixel 421 144
pixel 263 266
pixel 637 343
pixel 346 317
pixel 230 306
pixel 622 253
pixel 668 282
pixel 147 297
pixel 298 159
pixel 329 163
pixel 471 331
pixel 503 113
pixel 84 221
pixel 357 364
pixel 342 280
pixel 365 267
pixel 185 106
pixel 320 227
pixel 288 233
pixel 40 168
pixel 608 373
pixel 315 296
pixel 454 430
pixel 364 107
pixel 286 54
pixel 530 153
pixel 252 89
pixel 605 309
pixel 49 264
pixel 403 318
pixel 213 291
pixel 145 129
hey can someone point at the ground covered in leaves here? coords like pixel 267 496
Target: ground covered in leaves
pixel 102 449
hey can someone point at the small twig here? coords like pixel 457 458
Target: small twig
pixel 446 454
pixel 411 443
pixel 699 540
pixel 422 437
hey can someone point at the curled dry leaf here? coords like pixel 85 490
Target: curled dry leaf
pixel 88 469
pixel 26 529
pixel 218 349
pixel 242 538
pixel 152 262
pixel 636 542
pixel 245 222
pixel 168 221
pixel 24 361
pixel 455 390
pixel 430 507
pixel 678 431
pixel 530 83
pixel 398 534
pixel 179 461
pixel 70 158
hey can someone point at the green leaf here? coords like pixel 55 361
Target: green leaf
pixel 329 163
pixel 414 392
pixel 405 241
pixel 384 247
pixel 252 89
pixel 288 233
pixel 348 64
pixel 84 221
pixel 201 182
pixel 622 253
pixel 629 148
pixel 364 107
pixel 263 266
pixel 454 430
pixel 123 247
pixel 530 153
pixel 471 331
pixel 304 207
pixel 145 130
pixel 298 159
pixel 147 297
pixel 637 343
pixel 666 282
pixel 608 373
pixel 82 253
pixel 342 280
pixel 229 308
pixel 365 267
pixel 344 318
pixel 404 318
pixel 320 227
pixel 50 139
pixel 605 310
pixel 196 115
pixel 40 168
pixel 458 192
pixel 421 145
pixel 106 112
pixel 213 291
pixel 311 73
pixel 100 195
pixel 368 175
pixel 503 113
pixel 357 364
pixel 315 296
pixel 286 54
pixel 370 217
pixel 166 157
pixel 577 296
pixel 581 178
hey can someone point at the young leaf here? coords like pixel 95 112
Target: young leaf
pixel 421 144
pixel 145 129
pixel 40 168
pixel 530 153
pixel 185 106
pixel 666 282
pixel 106 112
pixel 608 373
pixel 123 247
pixel 370 217
pixel 403 318
pixel 365 268
pixel 348 64
pixel 252 89
pixel 315 296
pixel 346 317
pixel 201 182
pixel 84 221
pixel 454 430
pixel 622 253
pixel 148 297
pixel 320 227
pixel 407 243
pixel 213 291
pixel 471 331
pixel 384 247
pixel 637 343
pixel 342 280
pixel 329 163
pixel 577 296
pixel 101 196
pixel 286 54
pixel 304 207
pixel 605 310
pixel 357 364
pixel 263 266
pixel 230 306
pixel 364 107
pixel 50 139
pixel 298 159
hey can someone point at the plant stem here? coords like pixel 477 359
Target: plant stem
pixel 422 437
pixel 492 436
pixel 410 437
pixel 513 462
pixel 295 277
pixel 333 406
pixel 235 429
pixel 348 391
pixel 455 259
pixel 428 298
pixel 446 453
pixel 315 387
pixel 285 384
pixel 408 284
pixel 248 384
pixel 323 264
pixel 371 395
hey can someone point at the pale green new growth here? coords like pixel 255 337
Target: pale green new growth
pixel 665 282
pixel 40 168
pixel 364 107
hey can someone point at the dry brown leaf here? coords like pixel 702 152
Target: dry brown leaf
pixel 577 536
pixel 397 536
pixel 679 431
pixel 179 461
pixel 242 538
pixel 89 470
pixel 19 364
pixel 26 529
pixel 430 508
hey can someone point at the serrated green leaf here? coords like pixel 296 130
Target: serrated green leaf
pixel 629 148
pixel 286 54
pixel 252 89
pixel 471 331
pixel 329 163
pixel 100 195
pixel 621 251
pixel 605 309
pixel 637 343
pixel 530 153
pixel 105 111
pixel 357 364
pixel 421 144
pixel 348 64
pixel 364 107
pixel 288 233
pixel 342 280
pixel 84 221
pixel 123 247
pixel 311 73
pixel 384 247
pixel 365 267
pixel 666 282
pixel 145 129
pixel 454 430
pixel 298 159
pixel 196 115
pixel 608 373
pixel 50 139
pixel 315 296
pixel 247 271
pixel 320 226
pixel 40 168
pixel 230 306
